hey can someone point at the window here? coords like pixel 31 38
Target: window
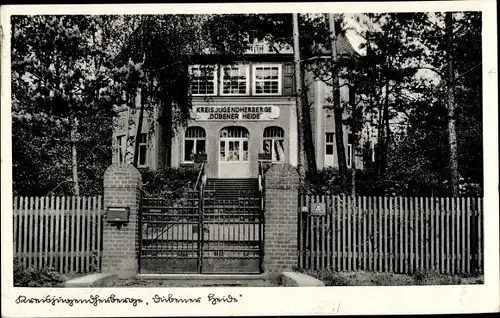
pixel 349 150
pixel 267 79
pixel 352 95
pixel 143 148
pixel 274 143
pixel 203 80
pixel 194 143
pixel 329 144
pixel 233 132
pixel 233 144
pixel 349 155
pixel 235 80
pixel 121 148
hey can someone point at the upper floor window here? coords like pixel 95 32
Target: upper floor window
pixel 274 143
pixel 350 150
pixel 143 148
pixel 235 80
pixel 203 80
pixel 194 143
pixel 120 145
pixel 329 152
pixel 267 79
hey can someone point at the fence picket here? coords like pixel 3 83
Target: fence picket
pixel 79 232
pixel 59 232
pixel 56 232
pixel 391 236
pixel 317 240
pixel 338 231
pixel 448 221
pixel 30 213
pixel 427 232
pixel 401 220
pixel 480 233
pixel 34 247
pixel 349 234
pixel 456 235
pixel 422 230
pixel 343 224
pixel 45 218
pixel 355 233
pixel 15 219
pixel 324 253
pixel 463 215
pixel 359 229
pixel 364 237
pixel 432 234
pixel 88 222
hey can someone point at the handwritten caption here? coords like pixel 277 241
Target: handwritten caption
pixel 96 300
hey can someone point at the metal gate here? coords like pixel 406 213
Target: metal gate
pixel 201 235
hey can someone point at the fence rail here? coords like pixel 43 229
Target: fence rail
pixel 58 232
pixel 391 234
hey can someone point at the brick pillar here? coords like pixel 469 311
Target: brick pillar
pixel 122 184
pixel 280 230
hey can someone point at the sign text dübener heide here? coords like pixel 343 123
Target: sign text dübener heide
pixel 210 113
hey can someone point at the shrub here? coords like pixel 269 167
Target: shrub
pixel 434 278
pixel 31 277
pixel 172 184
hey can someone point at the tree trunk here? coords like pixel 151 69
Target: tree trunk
pixel 168 131
pixel 338 111
pixel 299 100
pixel 353 145
pixel 384 127
pixel 450 83
pixel 312 171
pixel 74 156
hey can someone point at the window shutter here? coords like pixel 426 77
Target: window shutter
pixel 288 79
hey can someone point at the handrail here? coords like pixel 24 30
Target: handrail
pixel 201 175
pixel 261 184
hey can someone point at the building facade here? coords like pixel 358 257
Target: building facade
pixel 240 112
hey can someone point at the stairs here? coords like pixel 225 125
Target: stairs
pixel 232 189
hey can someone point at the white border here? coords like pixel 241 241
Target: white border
pixel 272 301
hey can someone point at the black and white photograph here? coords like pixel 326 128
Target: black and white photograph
pixel 227 150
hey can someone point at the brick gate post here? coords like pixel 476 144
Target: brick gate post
pixel 281 219
pixel 120 254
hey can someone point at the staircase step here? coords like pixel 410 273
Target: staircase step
pixel 231 190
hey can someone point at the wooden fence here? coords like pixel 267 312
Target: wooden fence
pixel 63 233
pixel 391 234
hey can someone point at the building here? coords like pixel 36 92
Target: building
pixel 240 112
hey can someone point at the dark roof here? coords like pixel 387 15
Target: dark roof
pixel 344 47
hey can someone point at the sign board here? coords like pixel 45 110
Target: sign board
pixel 235 113
pixel 318 208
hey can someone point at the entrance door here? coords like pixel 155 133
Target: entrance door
pixel 233 153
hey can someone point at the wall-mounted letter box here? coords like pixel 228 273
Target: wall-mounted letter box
pixel 118 214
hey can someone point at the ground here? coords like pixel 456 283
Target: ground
pixel 389 279
pixel 136 282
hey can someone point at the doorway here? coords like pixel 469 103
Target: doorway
pixel 233 153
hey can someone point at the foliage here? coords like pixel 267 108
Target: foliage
pixel 69 73
pixel 172 184
pixel 64 89
pixel 30 277
pixel 361 278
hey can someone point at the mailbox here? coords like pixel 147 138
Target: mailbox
pixel 118 214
